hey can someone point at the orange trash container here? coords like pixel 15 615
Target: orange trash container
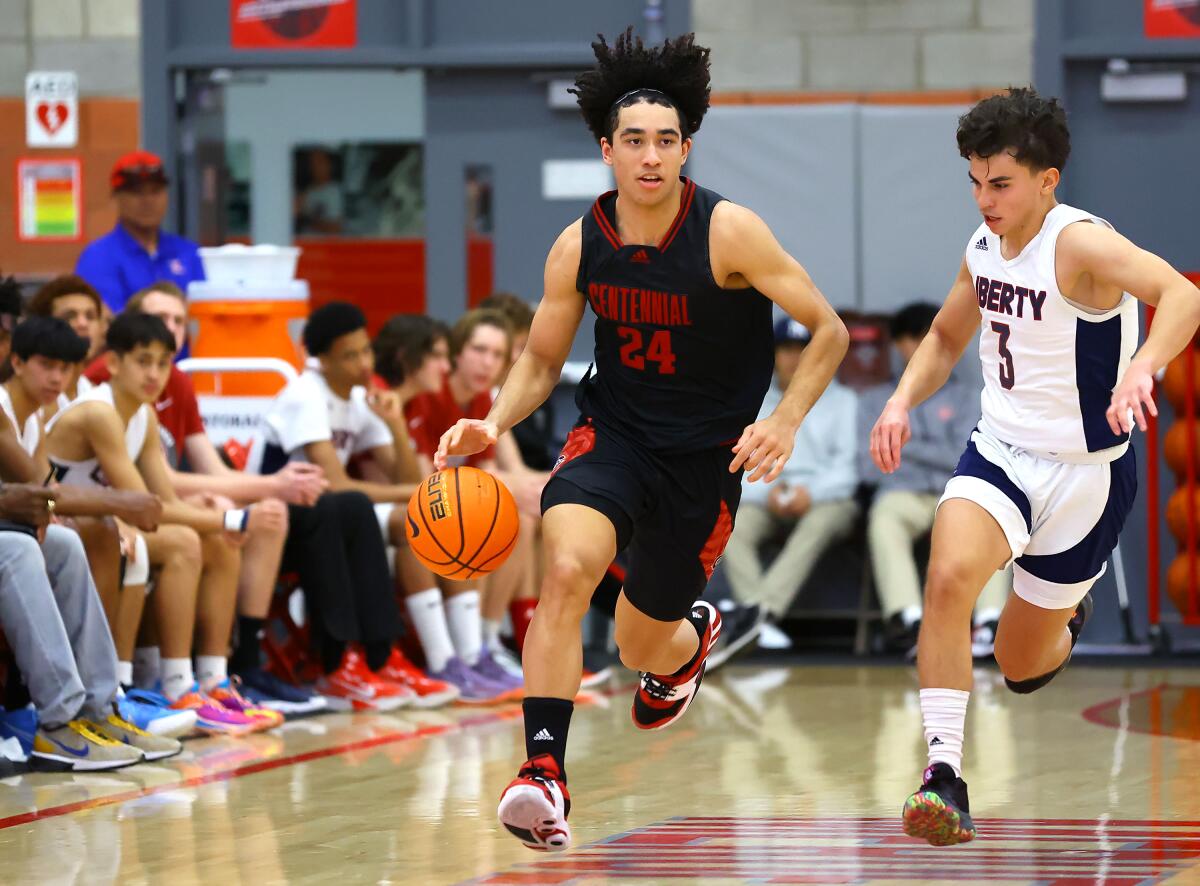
pixel 246 320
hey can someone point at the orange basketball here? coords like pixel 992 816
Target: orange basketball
pixel 1177 513
pixel 1175 443
pixel 1179 577
pixel 1174 381
pixel 462 523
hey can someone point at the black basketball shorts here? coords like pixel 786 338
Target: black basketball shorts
pixel 673 514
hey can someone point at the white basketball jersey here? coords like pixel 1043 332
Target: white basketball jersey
pixel 29 435
pixel 87 472
pixel 1049 367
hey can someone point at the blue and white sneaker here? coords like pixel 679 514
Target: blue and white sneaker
pixel 151 713
pixel 268 691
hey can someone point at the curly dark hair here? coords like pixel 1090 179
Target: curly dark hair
pixel 678 69
pixel 403 344
pixel 1033 128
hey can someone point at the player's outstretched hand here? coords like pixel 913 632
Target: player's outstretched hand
pixel 1135 391
pixel 890 433
pixel 465 437
pixel 763 449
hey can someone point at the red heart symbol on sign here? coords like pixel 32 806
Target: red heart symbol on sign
pixel 52 115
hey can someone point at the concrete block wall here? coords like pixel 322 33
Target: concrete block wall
pixel 866 45
pixel 98 39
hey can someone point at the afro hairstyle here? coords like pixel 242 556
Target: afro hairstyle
pixel 632 72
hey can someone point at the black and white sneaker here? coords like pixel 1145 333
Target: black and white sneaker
pixel 660 700
pixel 939 812
pixel 983 640
pixel 742 625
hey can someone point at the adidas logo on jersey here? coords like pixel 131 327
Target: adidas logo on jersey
pixel 543 735
pixel 982 244
pixel 640 257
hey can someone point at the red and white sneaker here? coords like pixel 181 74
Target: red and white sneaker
pixel 535 805
pixel 354 687
pixel 427 692
pixel 660 701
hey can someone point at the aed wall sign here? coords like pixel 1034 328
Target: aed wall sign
pixel 51 109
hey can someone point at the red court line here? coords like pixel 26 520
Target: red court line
pixel 470 722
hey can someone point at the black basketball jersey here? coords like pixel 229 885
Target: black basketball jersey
pixel 681 364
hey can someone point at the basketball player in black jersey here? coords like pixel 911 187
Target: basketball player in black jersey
pixel 681 283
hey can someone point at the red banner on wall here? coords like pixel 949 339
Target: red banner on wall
pixel 293 24
pixel 1172 18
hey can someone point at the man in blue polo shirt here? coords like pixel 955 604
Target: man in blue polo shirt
pixel 137 252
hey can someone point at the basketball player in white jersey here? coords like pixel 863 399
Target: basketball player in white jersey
pixel 1049 476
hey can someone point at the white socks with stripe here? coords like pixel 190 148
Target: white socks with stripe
pixel 944 712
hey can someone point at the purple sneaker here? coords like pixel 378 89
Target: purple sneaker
pixel 473 687
pixel 490 669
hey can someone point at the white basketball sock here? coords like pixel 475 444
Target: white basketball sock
pixel 211 670
pixel 125 673
pixel 491 633
pixel 466 625
pixel 944 712
pixel 177 677
pixel 147 667
pixel 429 618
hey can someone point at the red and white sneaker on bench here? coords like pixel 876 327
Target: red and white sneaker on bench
pixel 660 701
pixel 535 805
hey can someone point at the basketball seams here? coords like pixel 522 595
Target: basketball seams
pixel 492 527
pixel 508 547
pixel 432 534
pixel 462 532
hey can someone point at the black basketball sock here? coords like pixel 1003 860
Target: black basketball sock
pixel 248 654
pixel 546 723
pixel 378 652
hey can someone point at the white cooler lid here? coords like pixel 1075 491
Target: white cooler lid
pixel 289 290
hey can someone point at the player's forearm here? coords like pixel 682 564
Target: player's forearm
pixel 242 488
pixel 818 363
pixel 927 371
pixel 406 469
pixel 380 493
pixel 528 385
pixel 202 520
pixel 1176 318
pixel 82 501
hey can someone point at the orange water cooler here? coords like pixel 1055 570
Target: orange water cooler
pixel 235 315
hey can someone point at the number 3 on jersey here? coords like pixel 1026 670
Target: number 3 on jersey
pixel 659 350
pixel 1008 375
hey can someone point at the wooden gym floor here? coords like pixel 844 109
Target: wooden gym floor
pixel 776 775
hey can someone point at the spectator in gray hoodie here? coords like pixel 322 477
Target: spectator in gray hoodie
pixel 811 502
pixel 905 501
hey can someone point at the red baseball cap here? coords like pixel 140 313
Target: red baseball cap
pixel 137 167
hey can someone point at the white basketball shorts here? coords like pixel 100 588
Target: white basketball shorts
pixel 1061 520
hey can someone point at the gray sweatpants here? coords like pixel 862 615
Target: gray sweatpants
pixel 54 622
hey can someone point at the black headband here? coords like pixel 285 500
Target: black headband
pixel 642 89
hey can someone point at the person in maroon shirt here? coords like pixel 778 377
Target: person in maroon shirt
pixel 480 349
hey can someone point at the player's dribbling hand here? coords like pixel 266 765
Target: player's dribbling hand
pixel 763 449
pixel 890 433
pixel 465 437
pixel 1135 391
